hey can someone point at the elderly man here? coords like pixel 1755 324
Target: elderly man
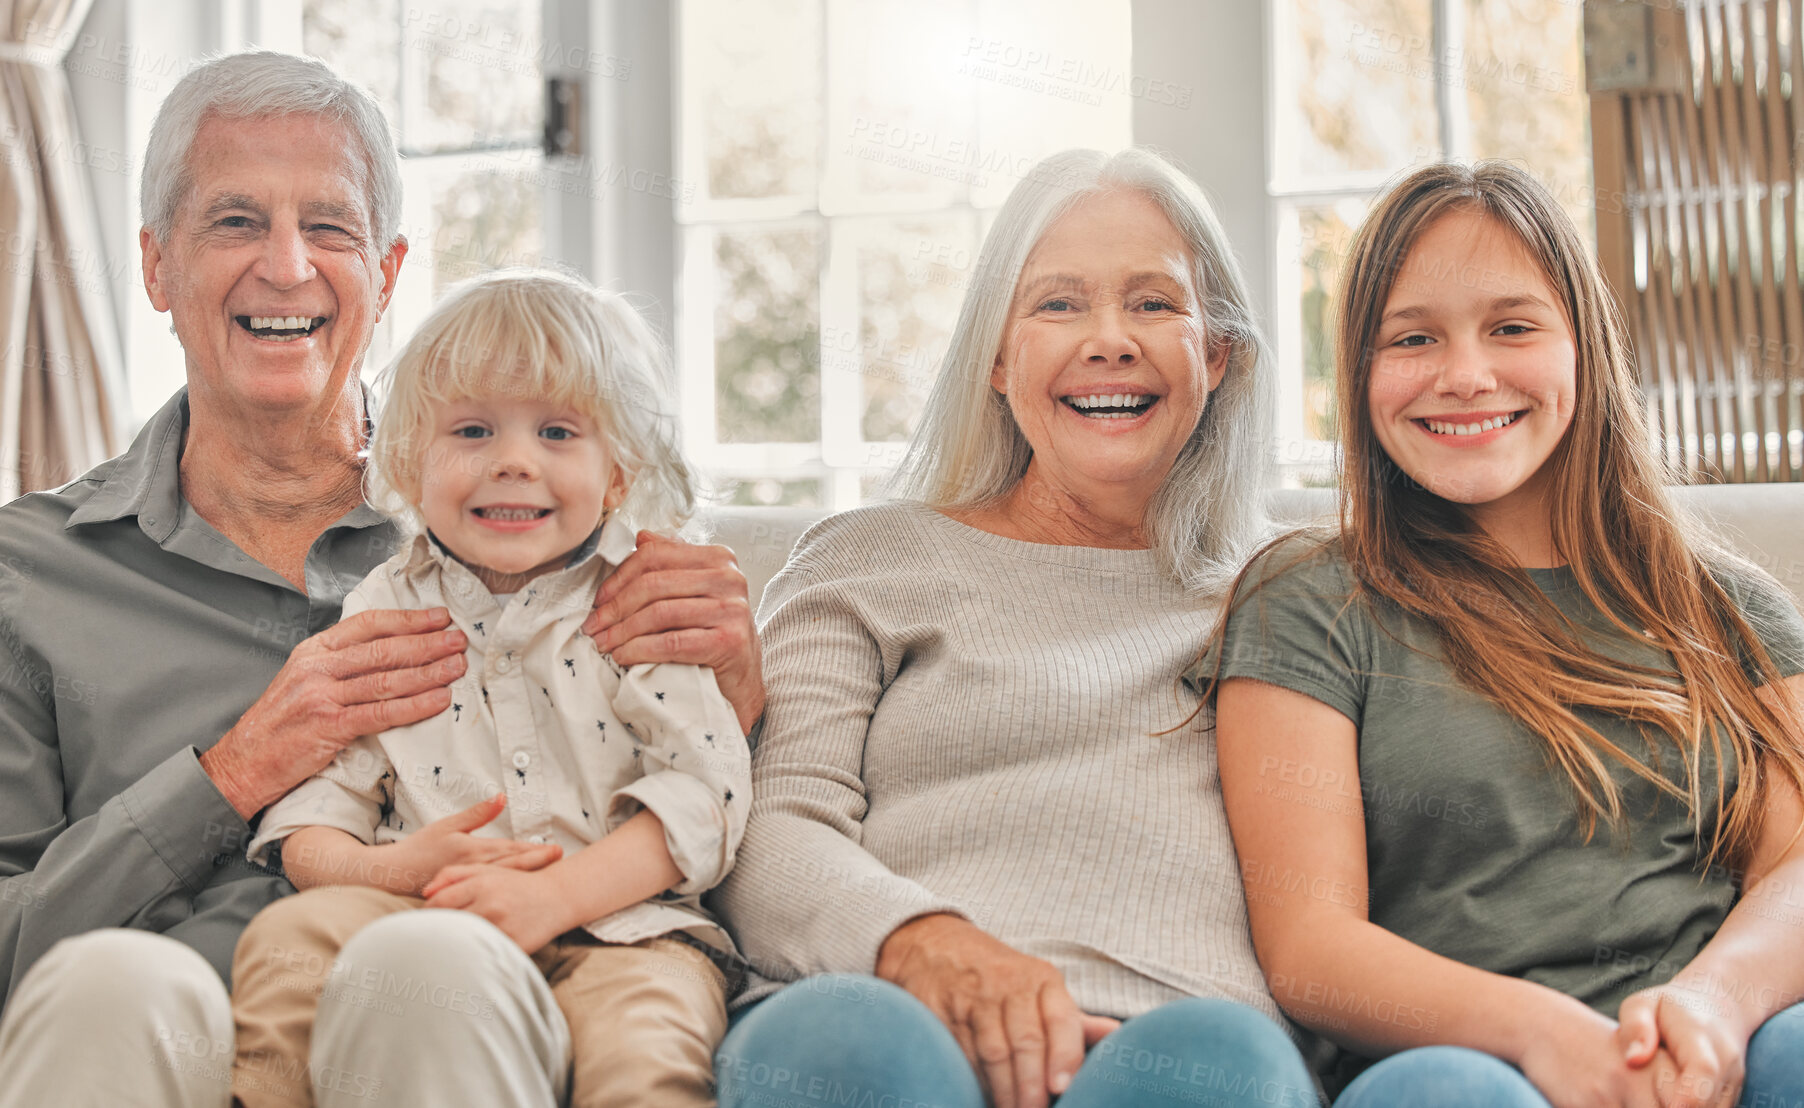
pixel 171 659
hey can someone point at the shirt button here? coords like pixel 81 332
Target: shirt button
pixel 521 760
pixel 538 840
pixel 504 665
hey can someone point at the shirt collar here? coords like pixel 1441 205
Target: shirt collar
pixel 146 480
pixel 611 542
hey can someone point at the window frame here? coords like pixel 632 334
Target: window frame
pixel 841 459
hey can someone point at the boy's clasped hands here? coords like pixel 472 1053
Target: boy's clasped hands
pixel 447 853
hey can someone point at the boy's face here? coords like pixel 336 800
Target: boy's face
pixel 511 486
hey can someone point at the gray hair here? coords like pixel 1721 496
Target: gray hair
pixel 1210 509
pixel 266 83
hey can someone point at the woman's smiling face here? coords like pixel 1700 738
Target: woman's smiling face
pixel 1105 362
pixel 1474 367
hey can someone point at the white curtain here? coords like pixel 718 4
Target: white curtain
pixel 62 391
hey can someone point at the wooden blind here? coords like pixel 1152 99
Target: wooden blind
pixel 1695 131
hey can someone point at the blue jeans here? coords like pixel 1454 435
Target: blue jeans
pixel 1446 1076
pixel 846 1039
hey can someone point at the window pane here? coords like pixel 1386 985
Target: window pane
pixel 911 277
pixel 752 85
pixel 1050 76
pixel 767 335
pixel 900 120
pixel 484 216
pixel 1523 73
pixel 471 74
pixel 1325 232
pixel 1355 89
pixel 359 38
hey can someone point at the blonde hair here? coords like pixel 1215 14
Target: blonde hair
pixel 1636 557
pixel 539 334
pixel 968 450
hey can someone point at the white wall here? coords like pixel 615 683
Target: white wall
pixel 632 236
pixel 1218 49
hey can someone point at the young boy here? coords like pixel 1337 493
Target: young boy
pixel 579 807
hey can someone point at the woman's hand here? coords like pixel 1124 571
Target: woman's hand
pixel 1578 1061
pixel 1708 1052
pixel 1011 1014
pixel 671 601
pixel 529 908
pixel 423 855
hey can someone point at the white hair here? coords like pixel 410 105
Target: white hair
pixel 968 450
pixel 266 83
pixel 540 334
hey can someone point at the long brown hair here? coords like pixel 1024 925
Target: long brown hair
pixel 1631 551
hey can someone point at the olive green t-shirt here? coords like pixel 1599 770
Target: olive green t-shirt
pixel 1474 845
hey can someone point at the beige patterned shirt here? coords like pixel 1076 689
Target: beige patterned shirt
pixel 578 744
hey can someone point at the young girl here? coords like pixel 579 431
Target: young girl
pixel 525 439
pixel 1513 760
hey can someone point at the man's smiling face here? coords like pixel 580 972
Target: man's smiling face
pixel 271 273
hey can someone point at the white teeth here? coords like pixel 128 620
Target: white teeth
pixel 281 322
pixel 1115 400
pixel 510 515
pixel 1441 427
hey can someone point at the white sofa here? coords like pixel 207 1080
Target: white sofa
pixel 1766 522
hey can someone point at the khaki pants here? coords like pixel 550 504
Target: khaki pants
pixel 637 1025
pixel 117 1017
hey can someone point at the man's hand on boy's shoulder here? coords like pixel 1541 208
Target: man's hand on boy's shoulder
pixel 367 673
pixel 673 601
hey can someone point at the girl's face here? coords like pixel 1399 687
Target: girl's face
pixel 512 485
pixel 1474 369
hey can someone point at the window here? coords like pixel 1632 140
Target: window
pixel 836 165
pixel 1363 89
pixel 461 82
pixel 839 162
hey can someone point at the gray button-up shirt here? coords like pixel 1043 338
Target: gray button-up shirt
pixel 132 636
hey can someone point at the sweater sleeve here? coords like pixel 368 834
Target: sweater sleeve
pixel 806 897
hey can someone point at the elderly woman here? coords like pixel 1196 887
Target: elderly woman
pixel 986 825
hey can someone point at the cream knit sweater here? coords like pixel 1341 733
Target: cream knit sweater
pixel 962 722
